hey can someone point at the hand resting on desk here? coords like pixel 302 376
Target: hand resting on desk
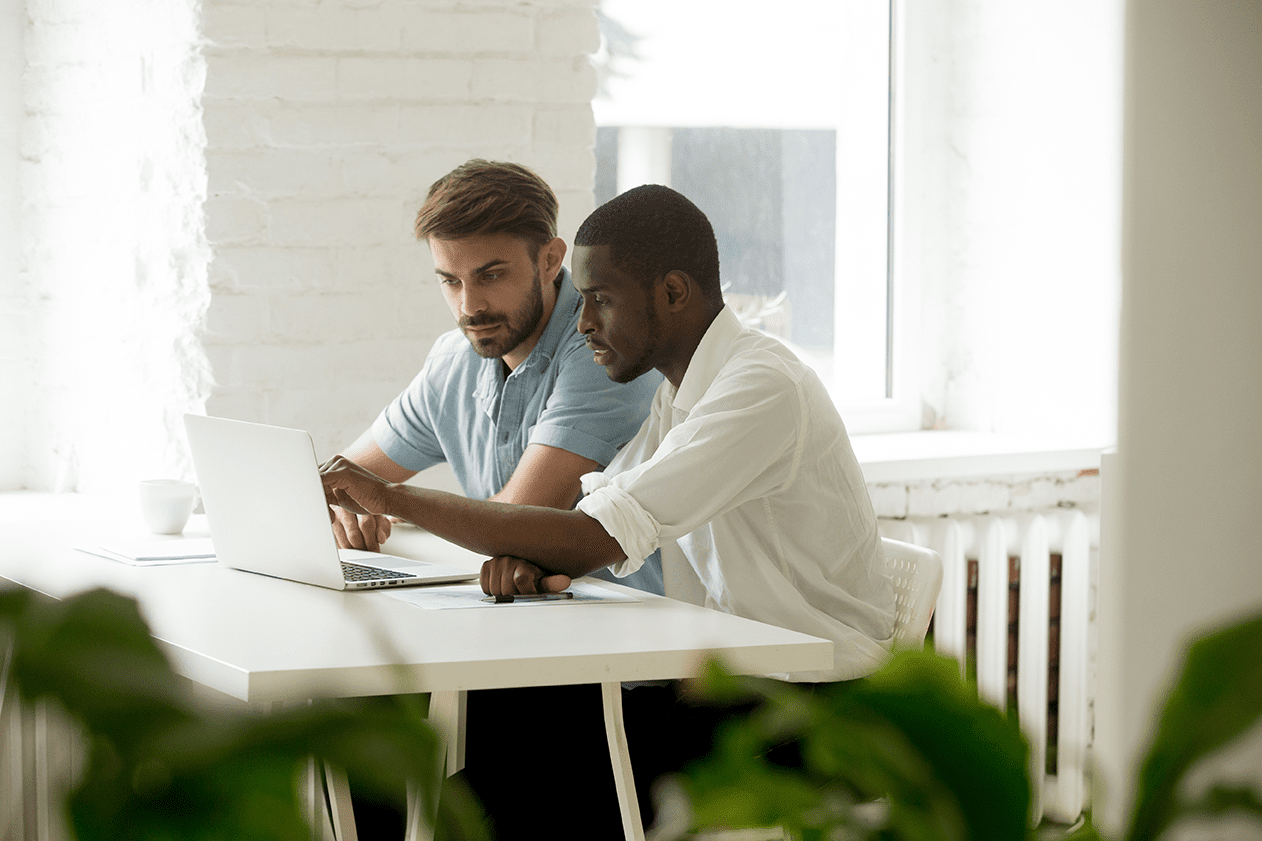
pixel 505 575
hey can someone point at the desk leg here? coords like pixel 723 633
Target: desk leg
pixel 18 771
pixel 447 713
pixel 41 752
pixel 615 731
pixel 342 812
pixel 324 793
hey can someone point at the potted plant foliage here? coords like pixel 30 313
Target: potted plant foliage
pixel 161 765
pixel 912 753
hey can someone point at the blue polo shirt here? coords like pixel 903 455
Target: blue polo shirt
pixel 463 410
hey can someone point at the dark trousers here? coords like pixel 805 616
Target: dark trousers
pixel 538 759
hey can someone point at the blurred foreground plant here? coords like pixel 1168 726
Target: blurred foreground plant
pixel 162 766
pixel 912 754
pixel 947 766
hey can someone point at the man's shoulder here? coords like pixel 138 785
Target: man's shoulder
pixel 762 367
pixel 450 363
pixel 757 355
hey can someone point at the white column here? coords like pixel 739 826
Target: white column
pixel 1186 555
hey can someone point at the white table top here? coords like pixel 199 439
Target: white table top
pixel 263 639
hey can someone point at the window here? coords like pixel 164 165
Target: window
pixel 779 128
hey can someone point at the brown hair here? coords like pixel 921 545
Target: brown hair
pixel 489 197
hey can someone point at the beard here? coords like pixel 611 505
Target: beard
pixel 519 324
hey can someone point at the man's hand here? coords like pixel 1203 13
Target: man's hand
pixel 354 531
pixel 350 486
pixel 505 575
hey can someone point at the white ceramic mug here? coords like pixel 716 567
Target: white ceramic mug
pixel 166 504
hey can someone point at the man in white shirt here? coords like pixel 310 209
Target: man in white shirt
pixel 743 473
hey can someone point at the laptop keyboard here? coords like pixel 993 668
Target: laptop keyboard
pixel 360 572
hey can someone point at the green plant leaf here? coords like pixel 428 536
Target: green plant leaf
pixel 161 767
pixel 978 751
pixel 1223 800
pixel 948 765
pixel 1217 697
pixel 94 655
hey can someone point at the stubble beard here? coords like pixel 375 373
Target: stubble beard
pixel 520 323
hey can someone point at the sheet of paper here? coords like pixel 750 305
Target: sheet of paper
pixel 455 596
pixel 171 550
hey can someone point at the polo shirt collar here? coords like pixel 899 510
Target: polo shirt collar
pixel 708 359
pixel 558 328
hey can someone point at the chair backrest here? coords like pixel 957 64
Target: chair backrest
pixel 917 574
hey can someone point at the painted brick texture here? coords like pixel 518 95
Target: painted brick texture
pixel 325 125
pixel 112 263
pixel 985 495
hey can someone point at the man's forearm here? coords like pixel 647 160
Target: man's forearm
pixel 565 541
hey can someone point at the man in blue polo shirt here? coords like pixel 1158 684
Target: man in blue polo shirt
pixel 511 399
pixel 513 402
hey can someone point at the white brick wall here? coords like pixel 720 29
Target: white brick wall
pixel 15 363
pixel 326 123
pixel 985 495
pixel 112 262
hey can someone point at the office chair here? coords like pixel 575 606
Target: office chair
pixel 917 574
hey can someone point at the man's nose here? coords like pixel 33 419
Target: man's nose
pixel 472 301
pixel 585 325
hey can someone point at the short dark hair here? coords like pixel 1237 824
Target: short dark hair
pixel 652 230
pixel 489 197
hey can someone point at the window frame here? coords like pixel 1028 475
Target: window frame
pixel 869 221
pixel 900 408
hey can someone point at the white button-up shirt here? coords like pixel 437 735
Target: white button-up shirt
pixel 744 477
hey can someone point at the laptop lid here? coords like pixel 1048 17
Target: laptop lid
pixel 265 504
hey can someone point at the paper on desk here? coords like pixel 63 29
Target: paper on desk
pixel 172 550
pixel 454 596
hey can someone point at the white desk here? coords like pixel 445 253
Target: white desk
pixel 261 639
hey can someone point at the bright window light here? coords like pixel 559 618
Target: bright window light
pixel 778 126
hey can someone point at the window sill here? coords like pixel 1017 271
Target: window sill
pixel 900 457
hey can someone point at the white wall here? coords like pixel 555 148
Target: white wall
pixel 991 494
pixel 14 362
pixel 249 251
pixel 1011 173
pixel 326 123
pixel 112 186
pixel 1187 556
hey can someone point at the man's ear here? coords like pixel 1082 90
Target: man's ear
pixel 551 254
pixel 679 289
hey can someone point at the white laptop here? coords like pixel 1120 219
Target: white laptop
pixel 265 504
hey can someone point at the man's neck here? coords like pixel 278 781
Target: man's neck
pixel 690 335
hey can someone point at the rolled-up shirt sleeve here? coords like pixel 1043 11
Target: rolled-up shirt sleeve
pixel 731 448
pixel 623 518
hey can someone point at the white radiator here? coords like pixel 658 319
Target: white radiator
pixel 999 610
